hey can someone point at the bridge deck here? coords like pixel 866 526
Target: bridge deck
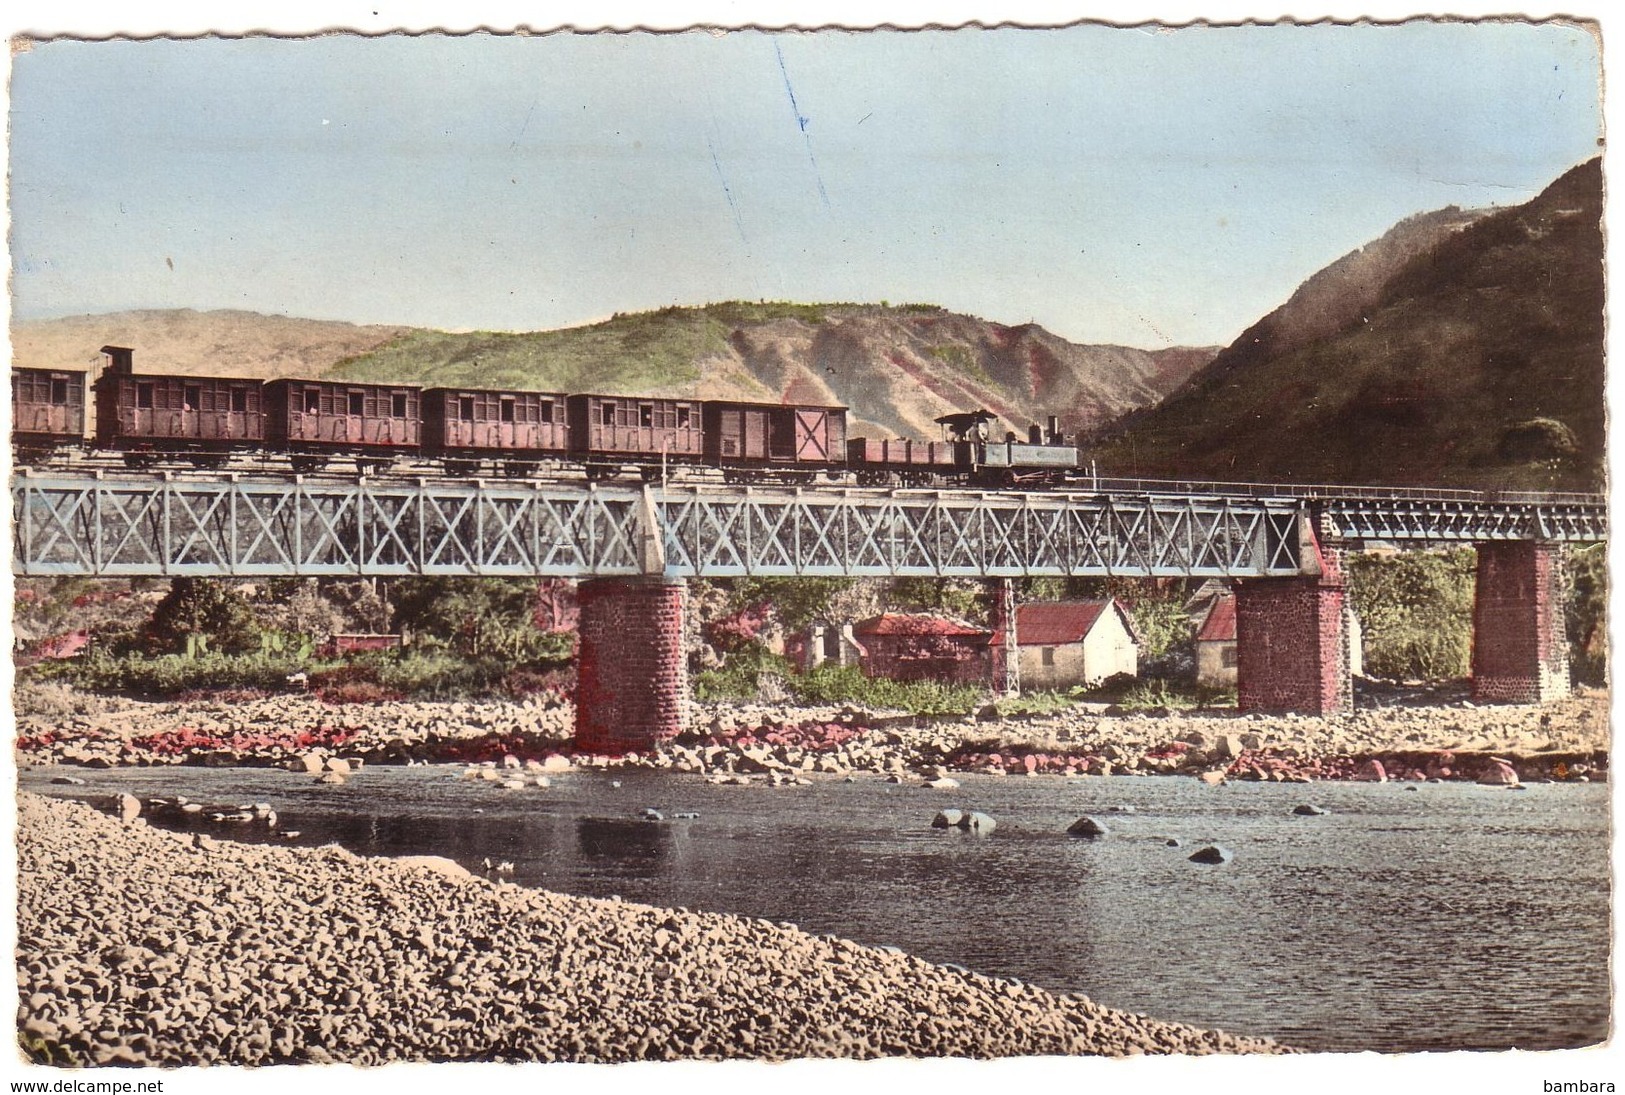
pixel 287 526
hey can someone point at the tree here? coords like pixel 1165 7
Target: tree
pixel 205 609
pixel 1586 571
pixel 1416 612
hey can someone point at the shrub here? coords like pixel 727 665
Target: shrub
pixel 171 674
pixel 847 684
pixel 739 676
pixel 479 617
pixel 1586 573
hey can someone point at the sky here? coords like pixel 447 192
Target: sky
pixel 1140 186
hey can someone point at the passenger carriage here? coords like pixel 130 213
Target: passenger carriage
pixel 315 420
pixel 155 416
pixel 464 426
pixel 47 412
pixel 609 432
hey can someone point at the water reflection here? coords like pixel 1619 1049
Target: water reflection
pixel 640 841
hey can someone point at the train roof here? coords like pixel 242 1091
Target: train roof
pixel 472 390
pixel 961 419
pixel 335 382
pixel 47 369
pixel 774 406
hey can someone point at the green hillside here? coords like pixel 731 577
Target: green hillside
pixel 649 353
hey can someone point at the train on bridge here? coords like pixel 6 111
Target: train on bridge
pixel 151 420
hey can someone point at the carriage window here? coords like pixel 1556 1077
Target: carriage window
pixel 59 391
pixel 397 404
pixel 682 416
pixel 194 397
pixel 239 400
pixel 465 408
pixel 358 404
pixel 313 401
pixel 507 410
pixel 547 411
pixel 609 414
pixel 646 414
pixel 143 396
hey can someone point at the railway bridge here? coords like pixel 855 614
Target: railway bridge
pixel 632 549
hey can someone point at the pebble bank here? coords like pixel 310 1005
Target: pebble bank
pixel 1445 740
pixel 142 946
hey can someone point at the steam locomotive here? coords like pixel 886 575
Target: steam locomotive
pixel 157 419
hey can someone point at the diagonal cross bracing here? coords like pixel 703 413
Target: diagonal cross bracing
pixel 157 525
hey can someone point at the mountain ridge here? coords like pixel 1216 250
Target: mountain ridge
pixel 896 367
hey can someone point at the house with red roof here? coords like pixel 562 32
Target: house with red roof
pixel 1216 644
pixel 919 647
pixel 1068 643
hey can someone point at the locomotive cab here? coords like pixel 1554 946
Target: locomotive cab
pixel 1042 460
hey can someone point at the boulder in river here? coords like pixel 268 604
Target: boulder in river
pixel 1307 809
pixel 942 783
pixel 1212 854
pixel 1500 773
pixel 947 819
pixel 1087 827
pixel 976 822
pixel 1371 771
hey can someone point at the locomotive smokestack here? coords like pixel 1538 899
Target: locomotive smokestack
pixel 1055 430
pixel 1035 435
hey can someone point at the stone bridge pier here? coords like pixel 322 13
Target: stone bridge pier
pixel 1292 637
pixel 1293 642
pixel 631 672
pixel 1520 649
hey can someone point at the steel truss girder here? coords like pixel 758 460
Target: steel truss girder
pixel 90 525
pixel 363 527
pixel 1464 522
pixel 839 532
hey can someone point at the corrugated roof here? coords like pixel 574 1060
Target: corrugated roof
pixel 899 623
pixel 1056 623
pixel 1220 625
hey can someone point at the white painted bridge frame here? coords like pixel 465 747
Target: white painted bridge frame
pixel 157 525
pixel 100 525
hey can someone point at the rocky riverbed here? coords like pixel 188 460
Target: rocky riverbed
pixel 1447 739
pixel 141 946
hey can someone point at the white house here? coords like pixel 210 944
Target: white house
pixel 1075 642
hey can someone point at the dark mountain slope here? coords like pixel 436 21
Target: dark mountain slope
pixel 1477 360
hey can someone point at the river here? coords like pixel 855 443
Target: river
pixel 1409 917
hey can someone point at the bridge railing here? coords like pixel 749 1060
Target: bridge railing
pixel 1338 491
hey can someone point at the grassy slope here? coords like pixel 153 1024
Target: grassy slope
pixel 652 353
pixel 1498 324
